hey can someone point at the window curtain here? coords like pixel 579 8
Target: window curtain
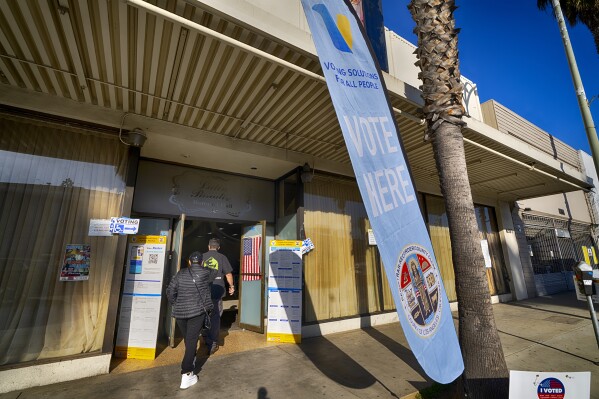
pixel 487 225
pixel 343 275
pixel 53 180
pixel 497 273
pixel 439 231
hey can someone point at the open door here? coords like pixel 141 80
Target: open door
pixel 251 277
pixel 175 265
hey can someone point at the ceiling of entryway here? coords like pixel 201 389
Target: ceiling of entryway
pixel 194 92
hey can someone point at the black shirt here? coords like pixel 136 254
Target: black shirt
pixel 216 261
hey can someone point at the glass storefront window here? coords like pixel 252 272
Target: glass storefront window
pixel 497 273
pixel 439 232
pixel 288 191
pixel 343 275
pixel 55 279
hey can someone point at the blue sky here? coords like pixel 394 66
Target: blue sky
pixel 514 53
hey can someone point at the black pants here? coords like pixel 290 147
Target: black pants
pixel 212 334
pixel 191 332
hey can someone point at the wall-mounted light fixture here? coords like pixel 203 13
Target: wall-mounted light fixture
pixel 136 138
pixel 307 173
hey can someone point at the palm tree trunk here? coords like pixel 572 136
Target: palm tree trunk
pixel 485 370
pixel 485 374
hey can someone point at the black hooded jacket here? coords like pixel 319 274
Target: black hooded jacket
pixel 187 300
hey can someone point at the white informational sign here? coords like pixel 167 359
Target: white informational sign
pixel 99 227
pixel 307 246
pixel 547 385
pixel 486 254
pixel 580 295
pixel 371 239
pixel 124 225
pixel 285 291
pixel 140 304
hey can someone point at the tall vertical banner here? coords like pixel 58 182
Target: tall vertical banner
pixel 356 85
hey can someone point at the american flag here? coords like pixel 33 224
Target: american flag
pixel 251 258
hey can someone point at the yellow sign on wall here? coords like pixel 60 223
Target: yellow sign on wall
pixel 285 292
pixel 139 315
pixel 589 255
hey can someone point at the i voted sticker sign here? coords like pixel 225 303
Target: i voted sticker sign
pixel 550 385
pixel 551 388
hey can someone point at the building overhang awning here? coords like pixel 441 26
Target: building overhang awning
pixel 212 91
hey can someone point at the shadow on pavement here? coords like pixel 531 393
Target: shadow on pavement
pixel 336 364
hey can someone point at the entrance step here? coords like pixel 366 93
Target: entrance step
pixel 231 341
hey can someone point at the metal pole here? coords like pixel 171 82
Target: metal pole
pixel 593 317
pixel 583 104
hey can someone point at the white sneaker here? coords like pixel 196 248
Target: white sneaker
pixel 188 380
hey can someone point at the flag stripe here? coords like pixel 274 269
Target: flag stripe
pixel 251 258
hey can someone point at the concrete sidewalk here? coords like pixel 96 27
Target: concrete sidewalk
pixel 542 334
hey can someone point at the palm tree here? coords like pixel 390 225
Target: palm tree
pixel 585 11
pixel 485 374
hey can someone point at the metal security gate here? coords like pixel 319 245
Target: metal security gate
pixel 555 246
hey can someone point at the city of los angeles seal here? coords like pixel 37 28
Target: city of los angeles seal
pixel 418 282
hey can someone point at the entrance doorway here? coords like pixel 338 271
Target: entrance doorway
pixel 241 242
pixel 184 236
pixel 243 245
pixel 196 235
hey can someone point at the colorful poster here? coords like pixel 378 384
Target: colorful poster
pixel 359 96
pixel 75 266
pixel 285 291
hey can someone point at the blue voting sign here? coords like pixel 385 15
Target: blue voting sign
pixel 358 92
pixel 124 225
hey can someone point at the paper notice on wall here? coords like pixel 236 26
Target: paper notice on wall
pixel 371 239
pixel 486 254
pixel 99 227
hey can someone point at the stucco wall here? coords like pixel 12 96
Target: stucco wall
pixel 573 205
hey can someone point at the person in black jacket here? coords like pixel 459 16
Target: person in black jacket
pixel 219 262
pixel 189 294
